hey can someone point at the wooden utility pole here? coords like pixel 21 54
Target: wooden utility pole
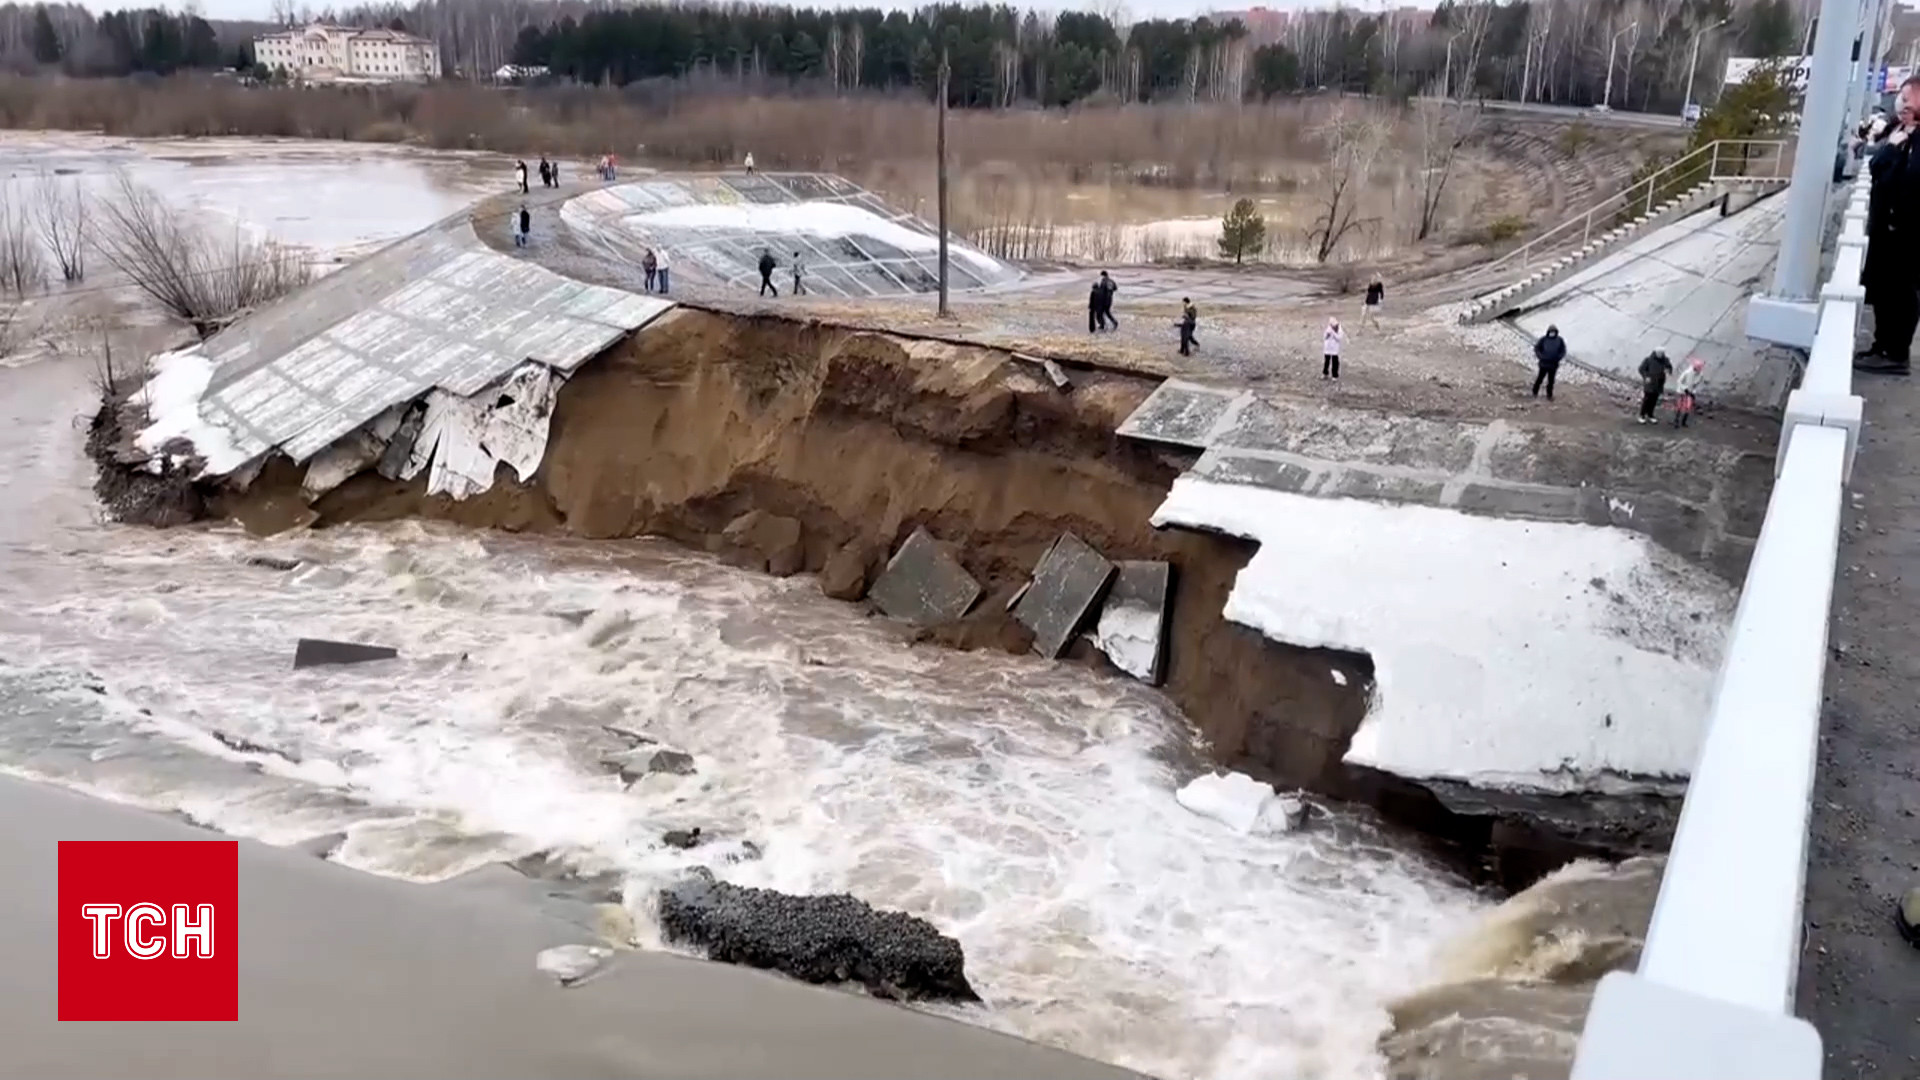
pixel 940 149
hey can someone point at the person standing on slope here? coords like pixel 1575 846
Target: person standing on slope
pixel 660 270
pixel 767 267
pixel 520 174
pixel 799 286
pixel 1892 271
pixel 1107 289
pixel 652 267
pixel 1189 321
pixel 1331 339
pixel 749 163
pixel 1095 296
pixel 1376 295
pixel 526 225
pixel 1653 382
pixel 1547 354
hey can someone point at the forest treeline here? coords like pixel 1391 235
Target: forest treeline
pixel 1557 51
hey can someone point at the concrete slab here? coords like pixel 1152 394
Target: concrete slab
pixel 1069 581
pixel 1683 288
pixel 1183 413
pixel 1227 467
pixel 316 652
pixel 924 584
pixel 1132 626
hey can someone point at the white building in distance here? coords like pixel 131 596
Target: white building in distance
pixel 324 53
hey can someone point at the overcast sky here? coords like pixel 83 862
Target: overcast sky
pixel 258 9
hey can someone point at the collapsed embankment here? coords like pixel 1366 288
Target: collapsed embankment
pixel 854 439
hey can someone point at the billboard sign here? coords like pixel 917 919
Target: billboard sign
pixel 1794 69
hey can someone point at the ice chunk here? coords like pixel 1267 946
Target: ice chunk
pixel 571 963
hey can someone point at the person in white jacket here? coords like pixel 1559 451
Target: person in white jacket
pixel 1330 342
pixel 661 270
pixel 1691 377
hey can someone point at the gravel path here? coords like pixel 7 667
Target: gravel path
pixel 1417 362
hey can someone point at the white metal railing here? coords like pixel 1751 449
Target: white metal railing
pixel 1722 160
pixel 1713 996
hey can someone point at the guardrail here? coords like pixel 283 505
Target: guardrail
pixel 1713 996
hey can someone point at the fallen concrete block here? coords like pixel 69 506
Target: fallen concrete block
pixel 924 584
pixel 632 766
pixel 315 652
pixel 1070 579
pixel 681 838
pixel 1132 626
pixel 844 577
pixel 816 939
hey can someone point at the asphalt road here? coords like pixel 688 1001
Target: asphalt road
pixel 1859 982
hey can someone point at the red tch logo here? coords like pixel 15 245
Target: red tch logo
pixel 149 930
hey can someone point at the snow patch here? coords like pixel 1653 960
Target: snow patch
pixel 826 219
pixel 1339 677
pixel 1130 636
pixel 171 398
pixel 1497 662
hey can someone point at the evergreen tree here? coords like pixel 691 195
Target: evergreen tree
pixel 46 40
pixel 1243 231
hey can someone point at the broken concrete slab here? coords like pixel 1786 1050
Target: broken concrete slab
pixel 924 584
pixel 1070 579
pixel 1184 413
pixel 1132 626
pixel 316 652
pixel 632 766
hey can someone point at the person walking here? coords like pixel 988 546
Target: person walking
pixel 1107 289
pixel 1547 354
pixel 661 269
pixel 1376 295
pixel 767 267
pixel 1653 382
pixel 1892 271
pixel 652 267
pixel 1189 322
pixel 526 226
pixel 520 174
pixel 798 268
pixel 1688 387
pixel 1331 339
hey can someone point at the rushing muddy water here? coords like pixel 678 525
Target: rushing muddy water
pixel 1025 807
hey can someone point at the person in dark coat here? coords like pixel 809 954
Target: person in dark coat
pixel 1189 321
pixel 651 265
pixel 1107 289
pixel 526 222
pixel 1891 275
pixel 1653 382
pixel 1547 354
pixel 767 266
pixel 546 172
pixel 1095 297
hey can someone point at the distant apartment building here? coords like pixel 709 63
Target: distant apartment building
pixel 1264 25
pixel 325 53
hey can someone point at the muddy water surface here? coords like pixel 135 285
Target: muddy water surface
pixel 1024 807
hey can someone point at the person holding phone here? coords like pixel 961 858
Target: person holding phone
pixel 1892 271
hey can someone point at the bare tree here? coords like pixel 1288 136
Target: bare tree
pixel 23 269
pixel 1444 128
pixel 1353 138
pixel 185 268
pixel 60 217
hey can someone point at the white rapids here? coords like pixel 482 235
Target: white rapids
pixel 1025 807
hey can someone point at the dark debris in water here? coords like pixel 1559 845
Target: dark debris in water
pixel 817 939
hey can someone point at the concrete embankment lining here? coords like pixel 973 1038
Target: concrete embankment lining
pixel 348 974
